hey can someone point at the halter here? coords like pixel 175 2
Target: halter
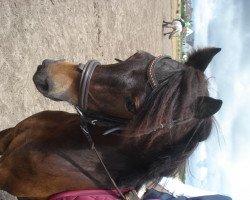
pixel 100 119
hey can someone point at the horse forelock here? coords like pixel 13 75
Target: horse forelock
pixel 169 102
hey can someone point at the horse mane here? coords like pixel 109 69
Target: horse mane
pixel 159 143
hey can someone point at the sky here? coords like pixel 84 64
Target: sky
pixel 222 163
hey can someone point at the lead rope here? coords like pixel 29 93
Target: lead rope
pixel 85 131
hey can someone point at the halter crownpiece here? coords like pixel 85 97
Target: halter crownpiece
pixel 150 71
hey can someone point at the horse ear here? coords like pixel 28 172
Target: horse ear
pixel 201 58
pixel 205 107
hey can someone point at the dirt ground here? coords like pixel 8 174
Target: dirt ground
pixel 75 30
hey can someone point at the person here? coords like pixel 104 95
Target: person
pixel 176 190
pixel 177 25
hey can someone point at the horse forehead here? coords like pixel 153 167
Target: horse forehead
pixel 171 64
pixel 168 65
pixel 141 56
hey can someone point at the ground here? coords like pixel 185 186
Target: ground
pixel 31 31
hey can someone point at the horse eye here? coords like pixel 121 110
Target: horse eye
pixel 130 104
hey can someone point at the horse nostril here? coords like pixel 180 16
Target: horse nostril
pixel 40 67
pixel 44 86
pixel 41 79
pixel 41 82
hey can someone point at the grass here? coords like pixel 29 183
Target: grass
pixel 182 173
pixel 180 12
pixel 176 13
pixel 180 39
pixel 183 10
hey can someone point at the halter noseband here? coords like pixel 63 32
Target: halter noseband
pixel 87 72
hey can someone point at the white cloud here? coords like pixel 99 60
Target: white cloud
pixel 221 163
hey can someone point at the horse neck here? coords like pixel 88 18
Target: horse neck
pixel 130 163
pixel 157 154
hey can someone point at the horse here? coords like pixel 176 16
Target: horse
pixel 161 107
pixel 175 25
